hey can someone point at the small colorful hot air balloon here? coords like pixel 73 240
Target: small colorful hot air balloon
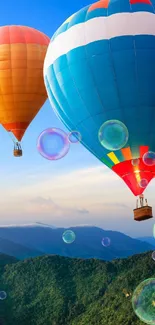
pixel 22 90
pixel 99 71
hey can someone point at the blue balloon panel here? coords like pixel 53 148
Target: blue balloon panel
pixel 100 66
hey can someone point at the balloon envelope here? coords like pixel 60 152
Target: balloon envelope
pixel 22 90
pixel 100 66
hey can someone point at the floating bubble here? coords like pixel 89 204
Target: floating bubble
pixel 74 137
pixel 106 241
pixel 53 144
pixel 149 158
pixel 143 183
pixel 68 236
pixel 3 295
pixel 135 162
pixel 113 135
pixel 143 301
pixel 153 255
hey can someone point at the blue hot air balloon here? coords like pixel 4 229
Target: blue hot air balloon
pixel 99 72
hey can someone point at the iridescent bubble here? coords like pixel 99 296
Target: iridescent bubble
pixel 135 162
pixel 149 158
pixel 68 236
pixel 153 255
pixel 53 144
pixel 113 135
pixel 106 241
pixel 143 183
pixel 3 295
pixel 143 301
pixel 74 137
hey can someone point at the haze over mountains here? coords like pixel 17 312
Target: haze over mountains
pixel 150 240
pixel 39 239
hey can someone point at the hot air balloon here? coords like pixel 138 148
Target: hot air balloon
pixel 100 67
pixel 22 90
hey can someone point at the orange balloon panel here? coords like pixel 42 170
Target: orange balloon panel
pixel 22 90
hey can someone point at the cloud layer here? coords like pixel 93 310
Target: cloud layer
pixel 92 195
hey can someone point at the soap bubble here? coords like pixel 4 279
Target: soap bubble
pixel 68 236
pixel 135 162
pixel 53 144
pixel 149 158
pixel 143 183
pixel 113 135
pixel 3 295
pixel 153 255
pixel 143 301
pixel 105 241
pixel 74 137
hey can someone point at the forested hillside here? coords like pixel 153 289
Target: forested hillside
pixel 54 290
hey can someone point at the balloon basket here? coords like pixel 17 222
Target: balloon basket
pixel 143 213
pixel 17 153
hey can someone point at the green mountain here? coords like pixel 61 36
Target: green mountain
pixel 4 259
pixel 54 290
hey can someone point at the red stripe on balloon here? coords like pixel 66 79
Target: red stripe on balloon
pixel 18 128
pixel 99 5
pixel 143 150
pixel 125 170
pixel 134 2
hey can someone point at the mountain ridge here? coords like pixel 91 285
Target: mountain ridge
pixel 17 250
pixel 150 240
pixel 46 240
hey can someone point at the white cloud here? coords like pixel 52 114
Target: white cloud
pixel 47 206
pixel 88 179
pixel 87 196
pixel 23 225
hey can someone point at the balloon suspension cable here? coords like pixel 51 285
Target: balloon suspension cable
pixel 142 201
pixel 12 137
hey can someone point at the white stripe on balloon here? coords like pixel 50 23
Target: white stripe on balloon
pixel 100 28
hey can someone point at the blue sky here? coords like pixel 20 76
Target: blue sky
pixel 77 189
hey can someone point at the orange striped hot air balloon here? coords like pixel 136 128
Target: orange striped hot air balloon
pixel 22 90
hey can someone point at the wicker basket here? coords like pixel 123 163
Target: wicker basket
pixel 143 213
pixel 17 152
